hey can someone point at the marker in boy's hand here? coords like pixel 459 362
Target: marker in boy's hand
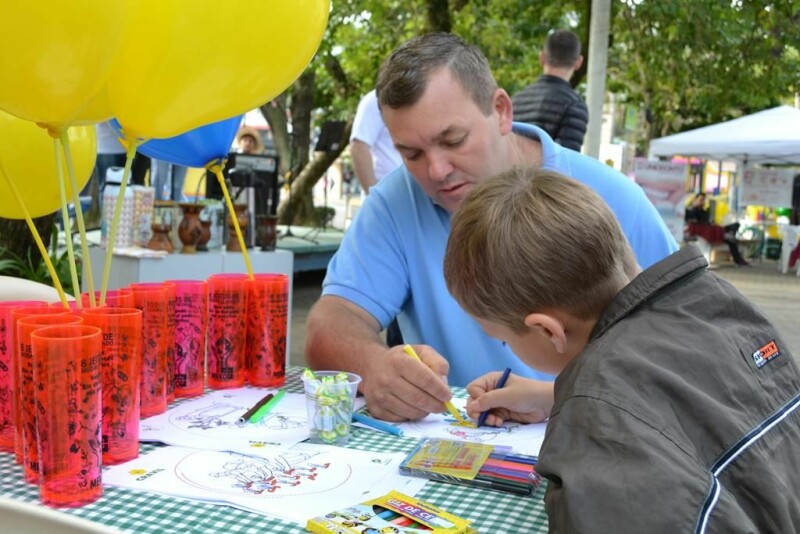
pixel 516 398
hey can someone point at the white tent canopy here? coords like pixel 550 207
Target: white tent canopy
pixel 769 136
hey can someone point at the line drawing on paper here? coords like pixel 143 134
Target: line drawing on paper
pixel 290 473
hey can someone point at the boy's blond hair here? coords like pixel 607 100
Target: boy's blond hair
pixel 531 240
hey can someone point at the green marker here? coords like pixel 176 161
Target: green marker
pixel 264 410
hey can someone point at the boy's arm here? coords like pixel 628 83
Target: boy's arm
pixel 342 336
pixel 521 399
pixel 608 471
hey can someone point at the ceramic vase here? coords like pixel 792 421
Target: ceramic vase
pixel 267 231
pixel 160 239
pixel 243 219
pixel 191 229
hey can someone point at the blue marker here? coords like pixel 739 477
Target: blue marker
pixel 500 384
pixel 383 426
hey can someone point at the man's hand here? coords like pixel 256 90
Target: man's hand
pixel 400 388
pixel 522 399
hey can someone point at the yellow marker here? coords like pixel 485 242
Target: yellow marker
pixel 408 349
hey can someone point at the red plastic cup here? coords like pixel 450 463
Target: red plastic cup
pixel 152 300
pixel 16 365
pixel 7 432
pixel 267 315
pixel 191 317
pixel 227 325
pixel 122 369
pixel 27 402
pixel 68 362
pixel 118 298
pixel 169 346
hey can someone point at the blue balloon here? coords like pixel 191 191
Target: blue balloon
pixel 196 147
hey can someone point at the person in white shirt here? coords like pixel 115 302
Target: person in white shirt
pixel 371 146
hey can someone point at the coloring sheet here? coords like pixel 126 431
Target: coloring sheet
pixel 292 484
pixel 525 439
pixel 212 421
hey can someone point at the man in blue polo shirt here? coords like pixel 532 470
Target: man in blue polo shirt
pixel 453 127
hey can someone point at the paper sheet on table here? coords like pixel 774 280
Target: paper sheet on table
pixel 211 422
pixel 525 439
pixel 292 484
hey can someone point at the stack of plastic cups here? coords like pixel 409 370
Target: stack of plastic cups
pixel 191 317
pixel 7 397
pixel 267 315
pixel 67 366
pixel 27 387
pixel 227 326
pixel 121 372
pixel 151 299
pixel 22 388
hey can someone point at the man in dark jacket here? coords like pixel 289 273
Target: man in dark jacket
pixel 550 102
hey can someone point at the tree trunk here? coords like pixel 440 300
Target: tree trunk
pixel 274 112
pixel 438 16
pixel 302 203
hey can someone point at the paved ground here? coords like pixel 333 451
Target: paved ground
pixel 775 293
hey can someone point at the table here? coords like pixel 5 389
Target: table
pixel 141 512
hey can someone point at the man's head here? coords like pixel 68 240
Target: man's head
pixel 699 200
pixel 532 253
pixel 562 53
pixel 447 117
pixel 248 141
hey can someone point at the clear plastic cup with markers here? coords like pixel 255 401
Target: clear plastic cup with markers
pixel 330 396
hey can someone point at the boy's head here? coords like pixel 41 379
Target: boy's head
pixel 535 257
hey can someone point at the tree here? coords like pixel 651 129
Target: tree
pixel 690 63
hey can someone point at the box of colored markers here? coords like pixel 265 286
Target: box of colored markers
pixel 473 464
pixel 395 513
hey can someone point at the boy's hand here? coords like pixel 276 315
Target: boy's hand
pixel 522 399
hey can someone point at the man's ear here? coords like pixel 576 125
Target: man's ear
pixel 578 63
pixel 501 103
pixel 551 327
pixel 542 60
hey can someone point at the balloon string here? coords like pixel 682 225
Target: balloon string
pixel 42 249
pixel 216 167
pixel 73 271
pixel 112 233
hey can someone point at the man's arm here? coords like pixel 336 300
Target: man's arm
pixel 362 164
pixel 342 336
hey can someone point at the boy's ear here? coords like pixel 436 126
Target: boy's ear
pixel 551 327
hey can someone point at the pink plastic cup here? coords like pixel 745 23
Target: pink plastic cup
pixel 122 369
pixel 7 432
pixel 227 326
pixel 152 301
pixel 25 327
pixel 169 333
pixel 267 315
pixel 68 365
pixel 191 317
pixel 16 364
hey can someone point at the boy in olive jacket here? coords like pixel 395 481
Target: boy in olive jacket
pixel 676 400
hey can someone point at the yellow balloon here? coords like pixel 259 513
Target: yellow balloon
pixel 186 63
pixel 55 55
pixel 27 157
pixel 97 110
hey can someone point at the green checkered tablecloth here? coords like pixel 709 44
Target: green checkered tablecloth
pixel 137 511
